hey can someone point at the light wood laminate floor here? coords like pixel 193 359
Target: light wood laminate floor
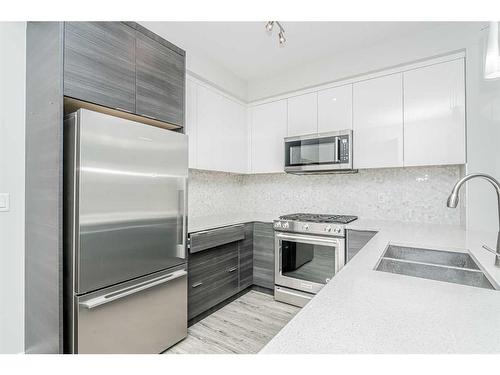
pixel 243 326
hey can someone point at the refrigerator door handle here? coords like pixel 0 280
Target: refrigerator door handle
pixel 101 300
pixel 183 202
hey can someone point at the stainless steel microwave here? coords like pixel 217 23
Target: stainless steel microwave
pixel 319 153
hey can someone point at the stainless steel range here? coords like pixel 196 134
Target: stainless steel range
pixel 309 251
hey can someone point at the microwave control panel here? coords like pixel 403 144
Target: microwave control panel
pixel 344 149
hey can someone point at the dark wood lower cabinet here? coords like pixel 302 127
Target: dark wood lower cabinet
pixel 245 248
pixel 212 277
pixel 356 239
pixel 263 255
pixel 224 266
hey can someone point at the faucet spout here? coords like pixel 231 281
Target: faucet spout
pixel 453 201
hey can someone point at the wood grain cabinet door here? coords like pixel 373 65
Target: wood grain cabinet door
pixel 160 81
pixel 99 63
pixel 212 277
pixel 263 255
pixel 245 258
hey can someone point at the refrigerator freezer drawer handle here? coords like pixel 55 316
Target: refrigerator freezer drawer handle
pixel 101 300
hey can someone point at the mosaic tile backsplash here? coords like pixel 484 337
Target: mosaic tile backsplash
pixel 405 194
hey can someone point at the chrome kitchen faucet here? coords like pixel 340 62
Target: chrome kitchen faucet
pixel 453 202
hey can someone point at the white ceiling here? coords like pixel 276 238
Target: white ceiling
pixel 246 49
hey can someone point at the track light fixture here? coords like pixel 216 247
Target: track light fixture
pixel 281 33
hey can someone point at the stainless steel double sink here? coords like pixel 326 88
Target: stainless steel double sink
pixel 440 265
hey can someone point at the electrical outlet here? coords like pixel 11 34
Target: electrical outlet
pixel 382 198
pixel 4 202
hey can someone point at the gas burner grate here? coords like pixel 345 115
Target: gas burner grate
pixel 320 218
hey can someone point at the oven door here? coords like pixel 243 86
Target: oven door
pixel 307 263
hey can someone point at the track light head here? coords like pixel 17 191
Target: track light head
pixel 269 26
pixel 282 38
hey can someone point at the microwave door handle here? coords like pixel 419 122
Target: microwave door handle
pixel 336 158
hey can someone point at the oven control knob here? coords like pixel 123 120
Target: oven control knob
pixel 328 229
pixel 277 224
pixel 285 225
pixel 305 227
pixel 337 230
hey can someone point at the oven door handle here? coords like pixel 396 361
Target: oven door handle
pixel 308 239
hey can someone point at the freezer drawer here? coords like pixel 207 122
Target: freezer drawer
pixel 145 316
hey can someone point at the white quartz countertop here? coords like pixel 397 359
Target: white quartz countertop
pixel 198 223
pixel 366 311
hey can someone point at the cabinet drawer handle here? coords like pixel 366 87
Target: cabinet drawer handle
pixel 196 285
pixel 232 269
pixel 219 229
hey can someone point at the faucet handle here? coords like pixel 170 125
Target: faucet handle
pixel 486 247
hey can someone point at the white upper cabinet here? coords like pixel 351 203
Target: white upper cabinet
pixel 191 121
pixel 411 117
pixel 378 122
pixel 303 114
pixel 221 133
pixel 434 114
pixel 234 138
pixel 209 129
pixel 335 109
pixel 268 129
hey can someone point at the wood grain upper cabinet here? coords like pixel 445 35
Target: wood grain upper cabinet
pixel 378 122
pixel 434 114
pixel 303 114
pixel 335 109
pixel 99 63
pixel 268 129
pixel 160 81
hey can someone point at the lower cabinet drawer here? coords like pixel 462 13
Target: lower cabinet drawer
pixel 213 277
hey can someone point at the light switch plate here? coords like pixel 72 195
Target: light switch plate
pixel 4 202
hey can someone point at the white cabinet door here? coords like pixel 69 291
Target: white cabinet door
pixel 209 127
pixel 191 121
pixel 303 114
pixel 335 109
pixel 234 138
pixel 268 129
pixel 221 133
pixel 434 114
pixel 378 122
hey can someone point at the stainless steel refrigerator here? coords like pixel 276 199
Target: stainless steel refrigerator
pixel 125 280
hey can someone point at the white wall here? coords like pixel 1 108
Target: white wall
pixel 12 130
pixel 483 141
pixel 202 68
pixel 397 51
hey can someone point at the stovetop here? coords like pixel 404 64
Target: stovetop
pixel 320 218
